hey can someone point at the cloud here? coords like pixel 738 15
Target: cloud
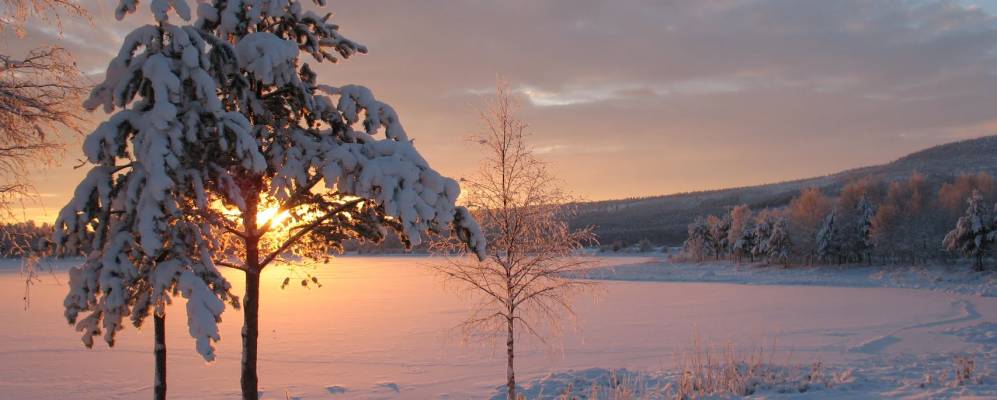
pixel 572 95
pixel 576 94
pixel 568 149
pixel 549 149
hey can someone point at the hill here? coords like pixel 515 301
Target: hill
pixel 663 219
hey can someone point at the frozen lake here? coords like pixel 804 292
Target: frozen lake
pixel 381 323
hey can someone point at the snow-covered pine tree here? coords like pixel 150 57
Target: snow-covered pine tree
pixel 779 246
pixel 131 214
pixel 973 235
pixel 334 160
pixel 212 137
pixel 828 245
pixel 745 242
pixel 865 213
pixel 761 234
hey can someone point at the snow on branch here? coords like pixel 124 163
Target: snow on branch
pixel 268 57
pixel 129 212
pixel 219 116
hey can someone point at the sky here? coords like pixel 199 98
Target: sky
pixel 631 98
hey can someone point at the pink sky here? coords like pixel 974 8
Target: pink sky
pixel 637 98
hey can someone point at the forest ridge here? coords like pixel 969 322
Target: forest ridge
pixel 664 220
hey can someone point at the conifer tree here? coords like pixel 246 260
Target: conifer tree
pixel 863 241
pixel 131 214
pixel 761 234
pixel 216 125
pixel 828 245
pixel 973 235
pixel 779 246
pixel 745 242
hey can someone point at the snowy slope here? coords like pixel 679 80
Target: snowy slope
pixel 663 219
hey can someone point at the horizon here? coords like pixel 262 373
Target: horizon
pixel 41 215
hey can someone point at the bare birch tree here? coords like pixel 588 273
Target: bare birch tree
pixel 16 12
pixel 40 92
pixel 530 246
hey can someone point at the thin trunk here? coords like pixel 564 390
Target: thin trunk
pixel 511 372
pixel 251 307
pixel 159 388
pixel 250 333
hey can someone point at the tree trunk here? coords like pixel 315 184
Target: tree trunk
pixel 511 372
pixel 159 387
pixel 251 304
pixel 250 333
pixel 978 266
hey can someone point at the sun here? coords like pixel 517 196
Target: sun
pixel 272 215
pixel 274 218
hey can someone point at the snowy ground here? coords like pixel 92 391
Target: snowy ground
pixel 916 371
pixel 907 376
pixel 948 278
pixel 381 327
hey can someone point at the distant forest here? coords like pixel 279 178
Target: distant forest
pixel 915 220
pixel 19 239
pixel 663 220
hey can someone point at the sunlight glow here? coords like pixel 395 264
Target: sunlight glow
pixel 266 215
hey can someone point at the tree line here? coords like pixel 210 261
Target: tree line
pixel 916 220
pixel 22 239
